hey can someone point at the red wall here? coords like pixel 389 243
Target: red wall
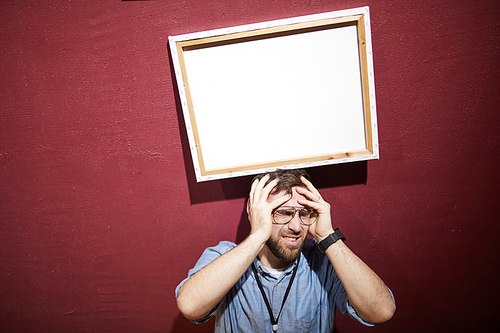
pixel 101 216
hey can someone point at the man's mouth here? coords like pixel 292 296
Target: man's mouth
pixel 292 240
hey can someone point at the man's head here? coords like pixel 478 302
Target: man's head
pixel 287 240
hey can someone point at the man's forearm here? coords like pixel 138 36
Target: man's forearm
pixel 366 291
pixel 205 289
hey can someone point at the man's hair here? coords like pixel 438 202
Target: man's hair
pixel 287 179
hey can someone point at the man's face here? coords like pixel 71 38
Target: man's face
pixel 286 240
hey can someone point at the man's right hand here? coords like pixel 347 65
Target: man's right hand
pixel 260 210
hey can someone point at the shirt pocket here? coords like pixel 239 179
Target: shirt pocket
pixel 310 317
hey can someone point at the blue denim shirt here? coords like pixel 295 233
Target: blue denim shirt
pixel 310 306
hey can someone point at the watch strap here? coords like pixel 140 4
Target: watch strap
pixel 330 239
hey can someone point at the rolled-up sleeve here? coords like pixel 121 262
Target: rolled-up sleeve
pixel 349 309
pixel 209 255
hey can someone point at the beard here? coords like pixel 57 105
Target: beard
pixel 283 252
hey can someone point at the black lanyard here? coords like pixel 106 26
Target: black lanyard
pixel 274 320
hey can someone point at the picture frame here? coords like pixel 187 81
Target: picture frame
pixel 283 94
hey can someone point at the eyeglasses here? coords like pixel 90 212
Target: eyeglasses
pixel 284 214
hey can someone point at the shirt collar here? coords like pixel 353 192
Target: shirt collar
pixel 264 271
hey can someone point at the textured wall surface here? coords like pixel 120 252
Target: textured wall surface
pixel 100 214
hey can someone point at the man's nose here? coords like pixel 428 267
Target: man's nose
pixel 295 224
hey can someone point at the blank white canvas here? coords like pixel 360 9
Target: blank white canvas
pixel 277 98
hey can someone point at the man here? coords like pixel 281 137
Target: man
pixel 276 280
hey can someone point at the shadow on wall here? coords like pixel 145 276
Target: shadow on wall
pixel 239 187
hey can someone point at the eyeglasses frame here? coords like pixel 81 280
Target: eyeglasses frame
pixel 296 209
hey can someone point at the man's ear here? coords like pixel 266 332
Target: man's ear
pixel 248 205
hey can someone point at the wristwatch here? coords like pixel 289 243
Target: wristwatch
pixel 330 239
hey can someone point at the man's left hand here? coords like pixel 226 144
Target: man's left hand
pixel 323 226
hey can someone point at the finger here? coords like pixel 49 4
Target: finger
pixel 251 195
pixel 268 188
pixel 254 185
pixel 309 195
pixel 262 190
pixel 257 186
pixel 309 185
pixel 280 201
pixel 311 204
pixel 252 190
